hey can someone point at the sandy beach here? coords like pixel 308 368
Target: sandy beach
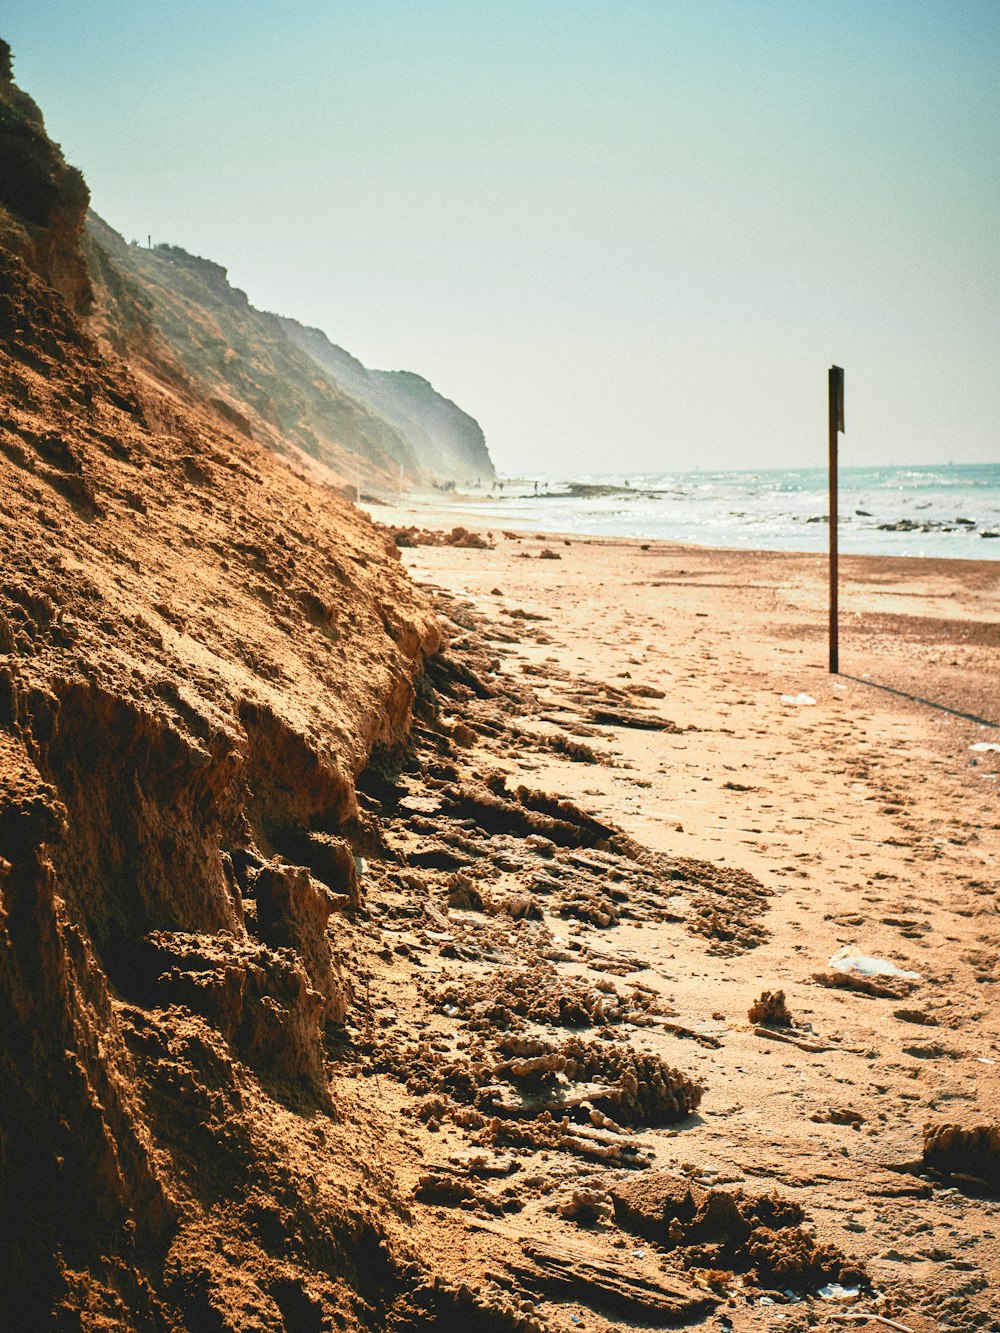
pixel 412 915
pixel 679 699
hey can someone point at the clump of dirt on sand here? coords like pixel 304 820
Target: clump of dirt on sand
pixel 525 1077
pixel 771 1010
pixel 731 1230
pixel 509 999
pixel 414 536
pixel 968 1154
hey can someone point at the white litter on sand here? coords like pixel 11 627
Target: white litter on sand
pixel 833 1291
pixel 850 960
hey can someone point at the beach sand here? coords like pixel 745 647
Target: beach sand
pixel 741 815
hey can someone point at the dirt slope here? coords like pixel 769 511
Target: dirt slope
pixel 198 651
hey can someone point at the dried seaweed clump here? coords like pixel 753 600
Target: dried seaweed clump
pixel 731 1231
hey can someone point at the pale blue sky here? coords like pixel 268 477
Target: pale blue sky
pixel 628 235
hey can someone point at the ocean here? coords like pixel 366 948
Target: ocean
pixel 951 510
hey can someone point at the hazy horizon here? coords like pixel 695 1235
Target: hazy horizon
pixel 941 465
pixel 625 239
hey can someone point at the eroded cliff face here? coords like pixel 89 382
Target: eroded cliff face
pixel 447 441
pixel 45 201
pixel 177 316
pixel 198 651
pixel 284 385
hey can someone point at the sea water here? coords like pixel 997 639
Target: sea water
pixel 952 510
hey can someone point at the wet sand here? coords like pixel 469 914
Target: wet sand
pixel 799 814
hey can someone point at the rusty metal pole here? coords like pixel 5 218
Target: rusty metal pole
pixel 835 384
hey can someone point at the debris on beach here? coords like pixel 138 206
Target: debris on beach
pixel 852 970
pixel 968 1154
pixel 853 962
pixel 415 536
pixel 770 1009
pixel 586 1206
pixel 731 1230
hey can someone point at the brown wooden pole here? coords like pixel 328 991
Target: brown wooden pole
pixel 835 383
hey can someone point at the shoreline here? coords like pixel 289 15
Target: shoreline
pixel 884 600
pixel 436 509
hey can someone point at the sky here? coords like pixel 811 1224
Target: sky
pixel 625 236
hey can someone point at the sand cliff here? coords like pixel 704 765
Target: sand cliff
pixel 447 441
pixel 200 652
